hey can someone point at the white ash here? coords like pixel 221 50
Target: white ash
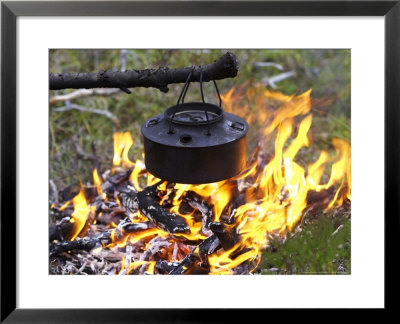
pixel 213 246
pixel 175 252
pixel 155 245
pixel 128 256
pixel 131 188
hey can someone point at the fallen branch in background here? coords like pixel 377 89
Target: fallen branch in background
pixel 225 67
pixel 53 191
pixel 84 109
pixel 80 153
pixel 84 93
pixel 271 81
pixel 267 64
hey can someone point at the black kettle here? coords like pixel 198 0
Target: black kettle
pixel 195 142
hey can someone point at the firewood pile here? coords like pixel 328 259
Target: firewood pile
pixel 125 225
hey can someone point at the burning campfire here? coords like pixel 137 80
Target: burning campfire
pixel 129 222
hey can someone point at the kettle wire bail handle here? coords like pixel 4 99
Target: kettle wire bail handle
pixel 181 96
pixel 219 96
pixel 185 87
pixel 202 98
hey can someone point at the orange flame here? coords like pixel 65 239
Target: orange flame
pixel 97 182
pixel 122 143
pixel 127 269
pixel 275 189
pixel 80 214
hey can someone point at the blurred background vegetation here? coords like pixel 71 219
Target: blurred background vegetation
pixel 325 71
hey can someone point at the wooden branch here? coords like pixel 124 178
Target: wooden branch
pixel 225 67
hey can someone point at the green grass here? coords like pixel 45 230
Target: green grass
pixel 313 250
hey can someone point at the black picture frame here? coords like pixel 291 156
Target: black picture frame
pixel 10 10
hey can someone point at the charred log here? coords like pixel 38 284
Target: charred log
pixel 61 230
pixel 198 255
pixel 148 202
pixel 184 266
pixel 227 234
pixel 136 227
pixel 225 67
pixel 112 183
pixel 129 201
pixel 85 244
pixel 165 267
pixel 102 239
pixel 207 247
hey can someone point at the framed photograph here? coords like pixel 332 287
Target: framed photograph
pixel 152 152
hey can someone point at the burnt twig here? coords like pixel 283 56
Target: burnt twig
pixel 86 156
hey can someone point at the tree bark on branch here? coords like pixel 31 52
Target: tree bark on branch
pixel 225 67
